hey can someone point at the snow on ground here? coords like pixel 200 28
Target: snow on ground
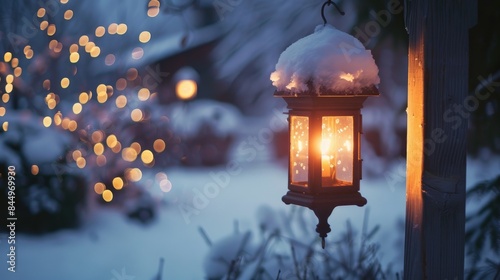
pixel 109 246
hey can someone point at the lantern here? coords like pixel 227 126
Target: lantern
pixel 324 79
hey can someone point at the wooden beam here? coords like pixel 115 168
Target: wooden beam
pixel 436 146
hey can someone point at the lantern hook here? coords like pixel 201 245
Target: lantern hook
pixel 328 3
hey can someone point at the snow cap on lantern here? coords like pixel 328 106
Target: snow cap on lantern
pixel 327 62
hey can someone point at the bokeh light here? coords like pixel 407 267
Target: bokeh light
pixel 186 89
pixel 144 37
pixel 117 183
pixel 147 157
pixel 107 195
pixel 159 145
pixel 99 188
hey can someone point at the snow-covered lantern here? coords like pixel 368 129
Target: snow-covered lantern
pixel 325 78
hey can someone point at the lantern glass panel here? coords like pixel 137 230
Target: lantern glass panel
pixel 299 150
pixel 337 151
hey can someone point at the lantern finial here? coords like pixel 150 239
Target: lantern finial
pixel 323 227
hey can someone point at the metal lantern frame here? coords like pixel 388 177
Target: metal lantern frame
pixel 314 195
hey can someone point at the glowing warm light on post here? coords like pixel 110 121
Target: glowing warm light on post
pixel 186 89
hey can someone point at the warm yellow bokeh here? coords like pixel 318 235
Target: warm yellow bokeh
pixel 159 145
pixel 74 57
pixel 107 195
pixel 97 136
pixel 143 94
pixel 77 108
pixel 118 183
pixel 98 149
pixel 186 89
pixel 121 101
pixel 81 162
pixel 136 115
pixel 99 188
pixel 147 156
pixel 144 37
pixel 68 15
pixel 65 82
pixel 111 141
pixel 35 169
pixel 47 121
pixel 129 154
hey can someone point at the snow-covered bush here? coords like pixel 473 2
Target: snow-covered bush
pixel 288 248
pixel 207 130
pixel 48 194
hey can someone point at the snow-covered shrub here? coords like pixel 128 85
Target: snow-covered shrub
pixel 48 194
pixel 288 248
pixel 207 129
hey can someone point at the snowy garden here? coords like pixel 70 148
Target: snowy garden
pixel 144 140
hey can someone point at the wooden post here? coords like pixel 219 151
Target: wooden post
pixel 436 148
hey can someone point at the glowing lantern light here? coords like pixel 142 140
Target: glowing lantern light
pixel 325 90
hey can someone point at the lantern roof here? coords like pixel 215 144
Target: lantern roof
pixel 327 62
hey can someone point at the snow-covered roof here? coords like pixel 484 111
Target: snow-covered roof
pixel 328 61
